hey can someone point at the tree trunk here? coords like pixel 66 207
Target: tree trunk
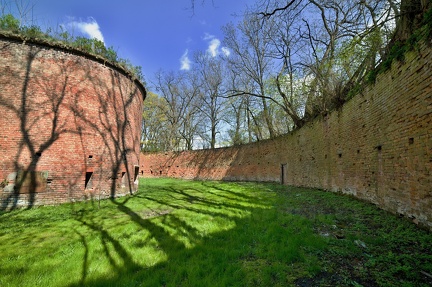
pixel 213 137
pixel 268 119
pixel 410 17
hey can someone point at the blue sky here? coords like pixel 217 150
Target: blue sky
pixel 154 34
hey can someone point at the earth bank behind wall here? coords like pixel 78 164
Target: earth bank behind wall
pixel 377 147
pixel 70 126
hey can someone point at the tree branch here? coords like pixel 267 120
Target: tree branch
pixel 269 14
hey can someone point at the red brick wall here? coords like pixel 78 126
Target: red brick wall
pixel 377 147
pixel 64 116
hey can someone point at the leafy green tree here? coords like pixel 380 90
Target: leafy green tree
pixel 9 23
pixel 154 133
pixel 180 91
pixel 82 43
pixel 33 32
pixel 211 104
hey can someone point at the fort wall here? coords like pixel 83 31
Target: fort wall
pixel 377 147
pixel 70 125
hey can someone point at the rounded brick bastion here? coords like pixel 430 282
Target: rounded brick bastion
pixel 70 125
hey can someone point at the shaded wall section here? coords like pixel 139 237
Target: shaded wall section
pixel 377 147
pixel 70 125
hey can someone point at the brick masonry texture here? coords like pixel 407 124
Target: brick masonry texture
pixel 70 126
pixel 377 147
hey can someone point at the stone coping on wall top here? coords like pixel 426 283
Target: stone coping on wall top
pixel 10 36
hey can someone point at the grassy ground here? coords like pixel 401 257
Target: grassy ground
pixel 186 233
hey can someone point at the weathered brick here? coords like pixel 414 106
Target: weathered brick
pixel 378 147
pixel 57 109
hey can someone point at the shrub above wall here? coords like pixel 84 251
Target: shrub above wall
pixel 70 125
pixel 377 147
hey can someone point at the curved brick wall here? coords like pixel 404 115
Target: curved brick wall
pixel 377 147
pixel 70 125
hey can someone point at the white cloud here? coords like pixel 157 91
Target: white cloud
pixel 184 61
pixel 226 51
pixel 208 36
pixel 214 46
pixel 89 28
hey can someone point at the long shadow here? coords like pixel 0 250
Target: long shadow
pixel 86 218
pixel 238 195
pixel 107 239
pixel 261 245
pixel 85 264
pixel 186 206
pixel 119 143
pixel 214 204
pixel 131 273
pixel 158 232
pixel 33 120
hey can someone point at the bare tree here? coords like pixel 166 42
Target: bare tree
pixel 292 60
pixel 212 106
pixel 323 49
pixel 249 46
pixel 154 135
pixel 237 117
pixel 181 109
pixel 23 9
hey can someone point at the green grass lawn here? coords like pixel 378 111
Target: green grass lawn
pixel 192 233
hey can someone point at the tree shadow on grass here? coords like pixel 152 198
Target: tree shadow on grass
pixel 260 239
pixel 184 234
pixel 216 258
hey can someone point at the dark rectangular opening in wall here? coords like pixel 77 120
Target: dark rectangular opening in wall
pixel 283 173
pixel 88 180
pixel 379 148
pixel 411 140
pixel 136 173
pixel 38 154
pixel 90 156
pixel 123 177
pixel 340 155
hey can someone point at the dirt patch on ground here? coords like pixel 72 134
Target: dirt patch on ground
pixel 147 214
pixel 364 249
